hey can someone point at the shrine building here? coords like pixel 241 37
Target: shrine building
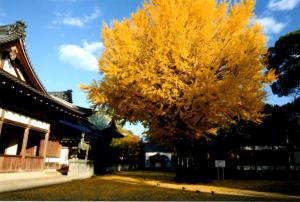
pixel 33 122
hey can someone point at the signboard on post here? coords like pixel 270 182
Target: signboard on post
pixel 220 164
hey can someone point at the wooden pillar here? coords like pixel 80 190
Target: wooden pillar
pixel 25 140
pixel 24 144
pixel 1 119
pixel 46 143
pixel 1 124
pixel 44 153
pixel 1 63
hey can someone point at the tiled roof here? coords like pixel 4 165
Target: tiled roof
pixel 12 32
pixel 65 95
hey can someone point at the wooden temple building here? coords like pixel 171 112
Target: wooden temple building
pixel 38 129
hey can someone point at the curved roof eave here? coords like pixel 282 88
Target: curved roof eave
pixel 31 67
pixel 16 33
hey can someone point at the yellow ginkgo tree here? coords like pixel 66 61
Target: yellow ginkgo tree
pixel 183 67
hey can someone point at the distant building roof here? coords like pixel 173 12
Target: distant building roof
pixel 65 95
pixel 63 98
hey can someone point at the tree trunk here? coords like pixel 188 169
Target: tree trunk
pixel 192 161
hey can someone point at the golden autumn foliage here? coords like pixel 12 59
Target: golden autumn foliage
pixel 129 137
pixel 183 68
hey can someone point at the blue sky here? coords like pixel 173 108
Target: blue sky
pixel 64 36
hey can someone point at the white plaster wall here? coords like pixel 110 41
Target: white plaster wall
pixel 11 150
pixel 63 159
pixel 9 68
pixel 64 155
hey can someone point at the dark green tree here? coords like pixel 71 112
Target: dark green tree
pixel 284 58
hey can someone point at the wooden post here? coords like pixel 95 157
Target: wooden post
pixel 46 143
pixel 44 153
pixel 1 63
pixel 1 119
pixel 1 124
pixel 24 144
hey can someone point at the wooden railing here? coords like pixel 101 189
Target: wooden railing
pixel 33 163
pixel 9 163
